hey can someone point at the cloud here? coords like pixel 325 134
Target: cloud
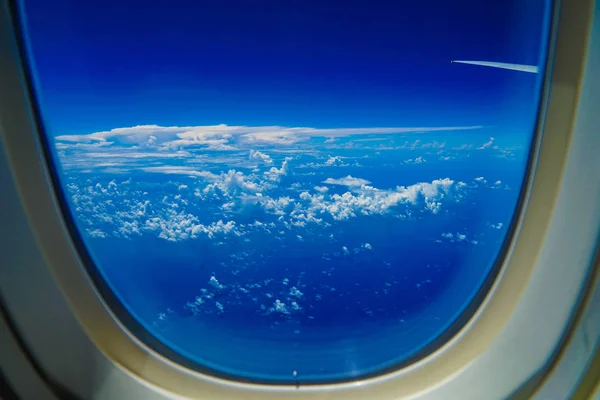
pixel 347 181
pixel 276 206
pixel 256 155
pixel 368 200
pixel 337 160
pixel 279 307
pixel 209 208
pixel 220 135
pixel 128 154
pixel 232 183
pixel 274 174
pixel 122 210
pixel 295 292
pixel 133 148
pixel 458 237
pixel 177 170
pixel 215 283
pixel 418 160
pixel 486 144
pixel 95 233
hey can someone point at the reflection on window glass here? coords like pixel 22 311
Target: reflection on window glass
pixel 296 191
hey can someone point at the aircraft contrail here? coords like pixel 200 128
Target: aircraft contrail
pixel 516 67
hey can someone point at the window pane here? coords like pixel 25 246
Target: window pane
pixel 290 192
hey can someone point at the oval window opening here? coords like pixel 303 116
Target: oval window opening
pixel 290 192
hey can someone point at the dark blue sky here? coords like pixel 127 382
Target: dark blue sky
pixel 101 65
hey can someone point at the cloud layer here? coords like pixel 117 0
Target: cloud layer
pixel 222 136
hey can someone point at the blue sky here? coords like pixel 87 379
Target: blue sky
pixel 292 63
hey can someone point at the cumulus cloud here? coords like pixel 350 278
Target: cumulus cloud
pixel 347 181
pixel 295 292
pixel 337 160
pixel 458 237
pixel 418 160
pixel 95 233
pixel 486 144
pixel 215 283
pixel 178 211
pixel 274 174
pixel 256 155
pixel 371 201
pixel 279 307
pixel 123 211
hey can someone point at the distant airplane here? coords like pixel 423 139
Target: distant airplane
pixel 516 67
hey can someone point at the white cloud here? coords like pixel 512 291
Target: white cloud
pixel 153 146
pixel 486 144
pixel 333 160
pixel 294 292
pixel 279 307
pixel 347 181
pixel 256 155
pixel 215 135
pixel 176 170
pixel 274 174
pixel 125 211
pixel 418 160
pixel 96 233
pixel 174 212
pixel 458 237
pixel 369 200
pixel 286 136
pixel 215 283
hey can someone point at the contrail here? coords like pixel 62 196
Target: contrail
pixel 516 67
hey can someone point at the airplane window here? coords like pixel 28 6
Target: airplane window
pixel 290 192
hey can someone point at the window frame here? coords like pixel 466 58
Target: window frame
pixel 93 353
